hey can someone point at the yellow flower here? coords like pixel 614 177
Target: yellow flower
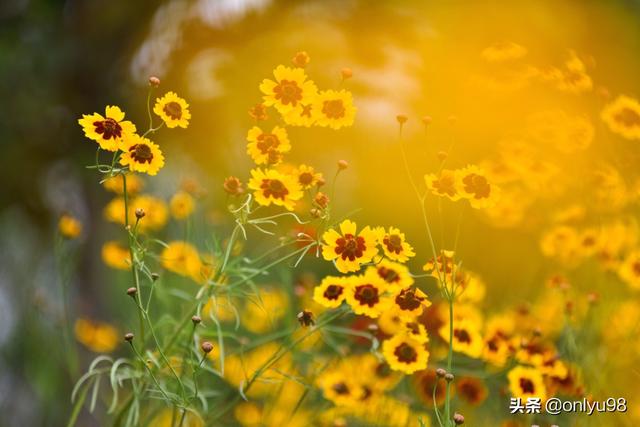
pixel 340 388
pixel 221 307
pixel 472 390
pixel 96 336
pixel 290 89
pixel 472 183
pixel 366 294
pixel 108 131
pixel 394 245
pixel 173 110
pixel 135 184
pixel 141 155
pixel 271 186
pixel 442 266
pixel 560 242
pixel 334 109
pixel 396 275
pixel 574 77
pixel 262 314
pixel 466 337
pixel 267 148
pixel 248 414
pixel 503 51
pixel 443 184
pixel 331 291
pixel 181 205
pixel 155 210
pixel 629 270
pixel 116 256
pixel 301 115
pixel 623 117
pixel 181 258
pixel 307 176
pixel 167 417
pixel 410 302
pixel 471 288
pixel 347 248
pixel 114 211
pixel 69 227
pixel 405 354
pixel 416 330
pixel 526 382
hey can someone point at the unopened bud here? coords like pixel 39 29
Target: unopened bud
pixel 128 337
pixel 154 81
pixel 132 292
pixel 458 419
pixel 343 164
pixel 427 120
pixel 301 59
pixel 140 213
pixel 402 119
pixel 155 276
pixel 440 373
pixel 315 213
pixel 196 320
pixel 442 155
pixel 448 377
pixel 206 347
pixel 346 73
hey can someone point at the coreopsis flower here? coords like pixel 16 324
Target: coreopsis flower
pixel 155 209
pixel 98 337
pixel 405 354
pixel 466 337
pixel 116 256
pixel 182 205
pixel 69 227
pixel 273 187
pixel 425 383
pixel 366 294
pixel 472 390
pixel 629 270
pixel 301 59
pixel 331 292
pixel 503 51
pixel 141 155
pixel 165 418
pixel 376 373
pixel 560 242
pixel 443 184
pixel 173 110
pixel 107 131
pixel 267 147
pixel 416 330
pixel 622 115
pixel 498 348
pixel 472 184
pixel 442 266
pixel 526 382
pixel 258 112
pixel 233 186
pixel 340 388
pixel 390 322
pixel 574 78
pixel 261 317
pixel 301 115
pixel 289 89
pixel 348 248
pixel 307 176
pixel 114 184
pixel 396 275
pixel 410 302
pixel 181 258
pixel 334 109
pixel 394 244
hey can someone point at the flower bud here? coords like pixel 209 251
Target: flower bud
pixel 206 347
pixel 315 213
pixel 402 119
pixel 155 276
pixel 196 320
pixel 132 292
pixel 343 164
pixel 427 120
pixel 233 186
pixel 140 213
pixel 301 59
pixel 128 337
pixel 346 73
pixel 154 81
pixel 448 377
pixel 442 155
pixel 321 199
pixel 458 419
pixel 441 372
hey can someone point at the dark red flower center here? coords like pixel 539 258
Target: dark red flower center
pixel 526 385
pixel 367 295
pixel 393 242
pixel 288 92
pixel 333 292
pixel 408 300
pixel 141 153
pixel 108 128
pixel 333 109
pixel 462 335
pixel 173 110
pixel 350 246
pixel 628 117
pixel 477 185
pixel 274 188
pixel 405 353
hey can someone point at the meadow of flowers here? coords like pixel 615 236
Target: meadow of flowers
pixel 442 278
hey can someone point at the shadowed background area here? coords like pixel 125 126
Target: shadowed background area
pixel 59 59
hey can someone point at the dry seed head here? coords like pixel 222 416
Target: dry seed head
pixel 315 213
pixel 128 337
pixel 206 347
pixel 154 81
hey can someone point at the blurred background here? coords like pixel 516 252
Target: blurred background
pixel 60 59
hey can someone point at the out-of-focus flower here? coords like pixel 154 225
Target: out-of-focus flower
pixel 69 226
pixel 426 385
pixel 135 184
pixel 108 131
pixel 331 292
pixel 503 51
pixel 405 354
pixel 166 418
pixel 272 187
pixel 301 59
pixel 394 244
pixel 629 270
pixel 443 184
pixel 182 205
pixel 526 382
pixel 181 258
pixel 307 176
pixel 116 255
pixel 263 314
pixel 289 89
pixel 334 109
pixel 155 209
pixel 623 117
pixel 396 275
pixel 472 183
pixel 466 337
pixel 173 110
pixel 348 248
pixel 141 155
pixel 267 147
pixel 472 390
pixel 258 112
pixel 98 337
pixel 233 186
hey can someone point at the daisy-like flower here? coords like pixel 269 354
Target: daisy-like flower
pixel 308 177
pixel 396 275
pixel 273 187
pixel 334 109
pixel 366 294
pixel 503 51
pixel 394 245
pixel 141 155
pixel 135 184
pixel 289 89
pixel 623 117
pixel 331 291
pixel 442 266
pixel 107 131
pixel 417 331
pixel 267 147
pixel 155 212
pixel 410 302
pixel 181 258
pixel 116 255
pixel 340 388
pixel 405 354
pixel 98 337
pixel 443 185
pixel 348 248
pixel 182 205
pixel 173 110
pixel 425 384
pixel 466 337
pixel 301 115
pixel 472 183
pixel 69 227
pixel 629 270
pixel 526 382
pixel 471 390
